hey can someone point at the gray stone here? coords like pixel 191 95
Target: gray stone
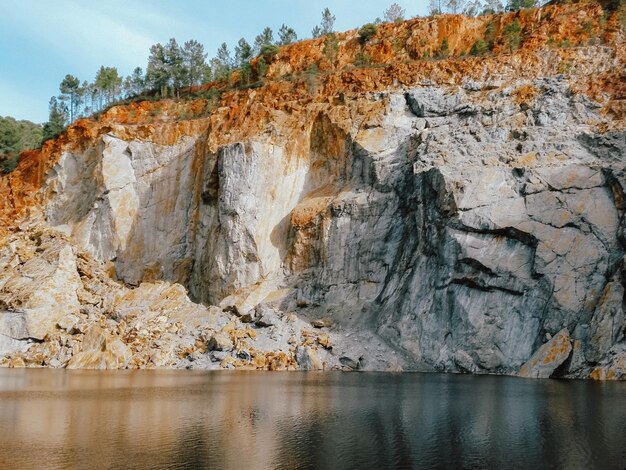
pixel 220 342
pixel 322 323
pixel 307 358
pixel 266 316
pixel 349 362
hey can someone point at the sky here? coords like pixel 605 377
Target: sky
pixel 43 40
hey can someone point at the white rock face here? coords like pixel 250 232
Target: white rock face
pixel 460 225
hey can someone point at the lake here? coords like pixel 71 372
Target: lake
pixel 54 419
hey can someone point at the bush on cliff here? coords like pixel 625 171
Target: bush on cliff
pixel 367 32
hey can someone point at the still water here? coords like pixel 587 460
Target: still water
pixel 229 420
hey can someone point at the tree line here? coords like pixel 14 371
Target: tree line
pixel 480 7
pixel 173 68
pixel 16 136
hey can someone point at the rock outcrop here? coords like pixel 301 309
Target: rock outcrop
pixel 437 215
pixel 549 357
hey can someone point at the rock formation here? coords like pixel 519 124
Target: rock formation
pixel 440 215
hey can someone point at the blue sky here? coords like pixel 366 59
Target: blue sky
pixel 43 40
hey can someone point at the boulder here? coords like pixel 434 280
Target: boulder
pixel 349 362
pixel 307 358
pixel 220 342
pixel 548 357
pixel 69 323
pixel 322 323
pixel 100 350
pixel 265 316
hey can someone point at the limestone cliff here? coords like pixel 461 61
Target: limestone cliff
pixel 450 214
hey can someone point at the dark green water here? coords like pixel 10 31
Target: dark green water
pixel 228 420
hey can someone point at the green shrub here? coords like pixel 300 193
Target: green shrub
pixel 262 68
pixel 444 49
pixel 512 35
pixel 8 165
pixel 367 32
pixel 479 47
pixel 269 50
pixel 331 48
pixel 490 35
pixel 362 59
pixel 245 73
pixel 310 77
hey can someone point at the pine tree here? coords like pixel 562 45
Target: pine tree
pixel 266 38
pixel 455 6
pixel 222 64
pixel 331 48
pixel 328 21
pixel 175 65
pixel 157 74
pixel 108 84
pixel 243 52
pixel 435 7
pixel 56 120
pixel 70 91
pixel 137 81
pixel 326 26
pixel 194 59
pixel 286 35
pixel 492 6
pixel 394 13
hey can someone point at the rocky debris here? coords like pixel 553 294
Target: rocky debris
pixel 100 350
pixel 40 282
pixel 325 341
pixel 70 323
pixel 151 325
pixel 548 357
pixel 232 309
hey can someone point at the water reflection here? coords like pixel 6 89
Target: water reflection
pixel 63 419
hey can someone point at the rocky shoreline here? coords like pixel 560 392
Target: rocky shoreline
pixel 60 309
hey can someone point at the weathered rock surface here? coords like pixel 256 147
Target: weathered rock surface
pixel 613 366
pixel 549 357
pixel 307 358
pixel 440 216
